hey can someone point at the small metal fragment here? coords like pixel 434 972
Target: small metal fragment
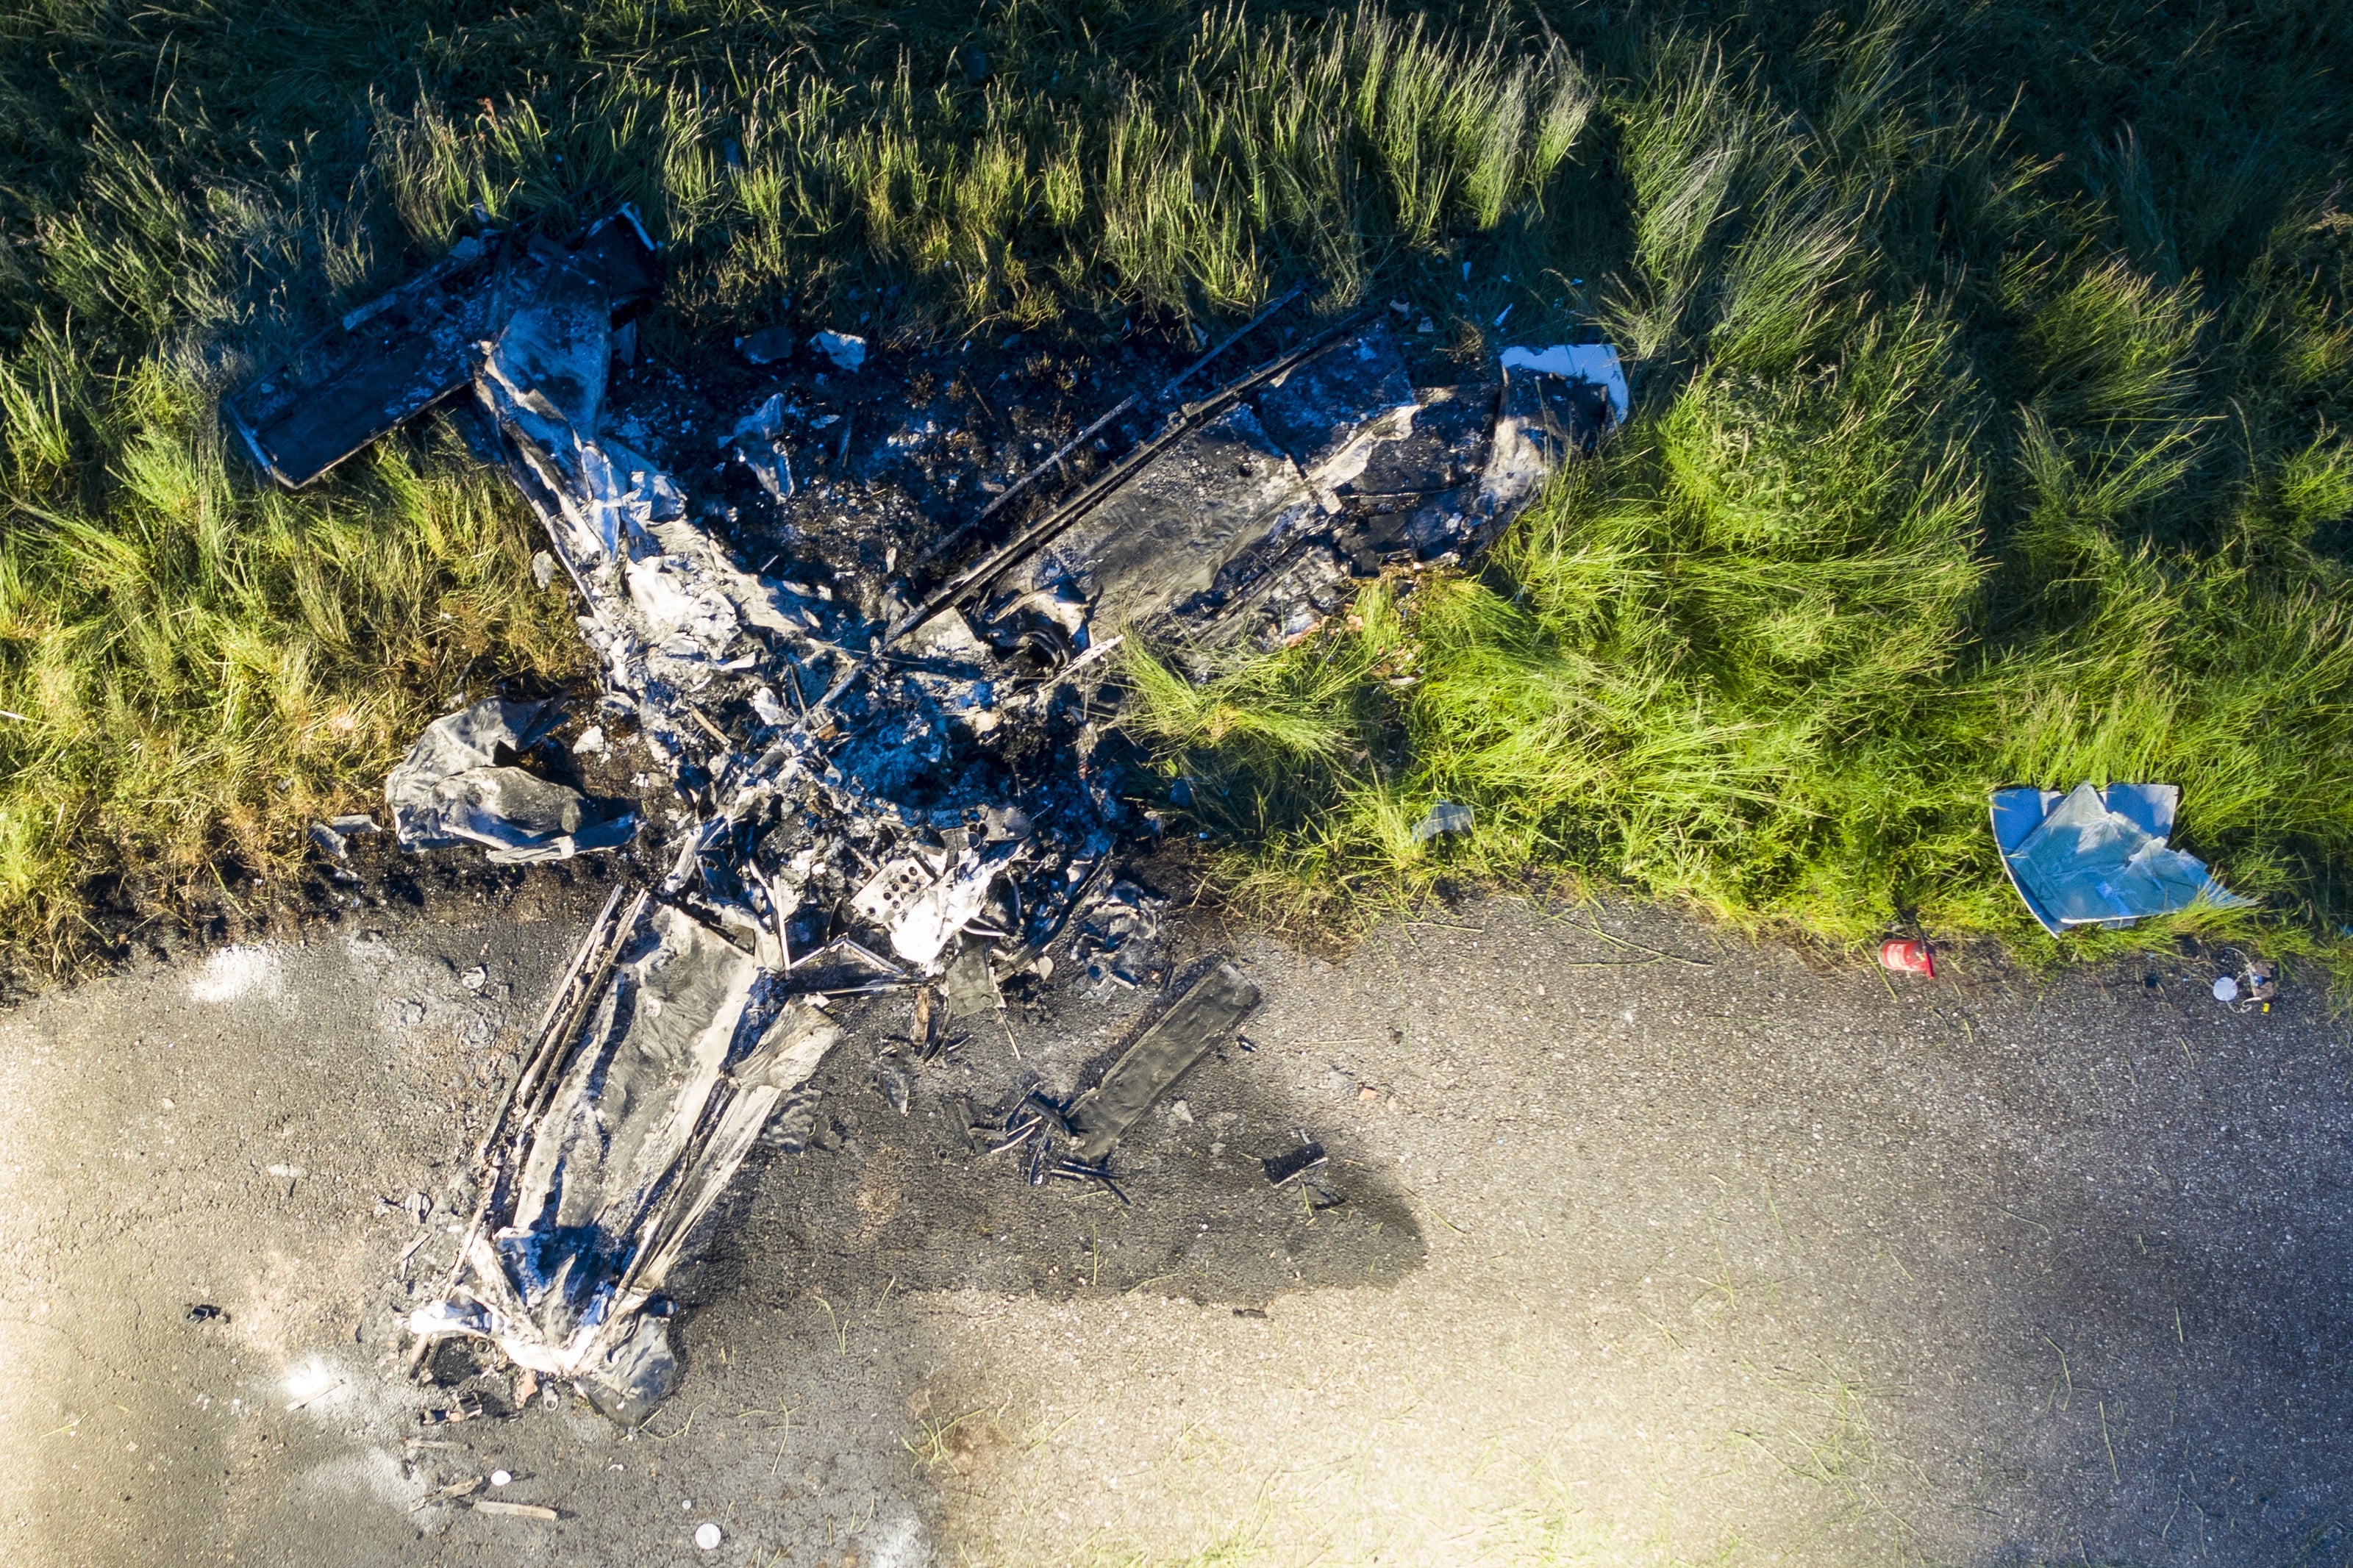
pixel 1283 1167
pixel 896 1085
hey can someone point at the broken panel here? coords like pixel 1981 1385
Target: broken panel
pixel 392 358
pixel 662 1061
pixel 1333 412
pixel 1205 1014
pixel 1544 420
pixel 1223 489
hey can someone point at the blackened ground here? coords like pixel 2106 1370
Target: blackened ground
pixel 1201 1217
pixel 893 464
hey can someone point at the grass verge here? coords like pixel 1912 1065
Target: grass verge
pixel 1992 373
pixel 1946 472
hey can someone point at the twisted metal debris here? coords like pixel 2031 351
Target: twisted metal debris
pixel 860 801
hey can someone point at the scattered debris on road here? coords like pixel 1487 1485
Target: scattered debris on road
pixel 312 1397
pixel 455 1492
pixel 2252 987
pixel 1207 1012
pixel 1284 1167
pixel 1902 956
pixel 516 1509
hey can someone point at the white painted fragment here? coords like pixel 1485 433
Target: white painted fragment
pixel 845 352
pixel 1596 362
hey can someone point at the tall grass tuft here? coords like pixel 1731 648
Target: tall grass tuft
pixel 197 667
pixel 1912 507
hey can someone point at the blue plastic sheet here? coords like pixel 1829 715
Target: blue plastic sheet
pixel 2096 856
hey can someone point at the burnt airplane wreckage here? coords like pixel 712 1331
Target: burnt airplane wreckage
pixel 889 780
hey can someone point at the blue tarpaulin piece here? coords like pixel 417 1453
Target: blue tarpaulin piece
pixel 2097 856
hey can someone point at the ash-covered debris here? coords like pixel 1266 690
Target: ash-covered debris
pixel 1118 939
pixel 664 1053
pixel 1209 1010
pixel 891 759
pixel 396 356
pixel 459 784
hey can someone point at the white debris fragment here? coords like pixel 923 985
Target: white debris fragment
pixel 591 741
pixel 236 973
pixel 678 603
pixel 542 568
pixel 771 711
pixel 845 352
pixel 451 789
pixel 946 636
pixel 759 440
pixel 890 889
pixel 924 910
pixel 706 1536
pixel 1596 362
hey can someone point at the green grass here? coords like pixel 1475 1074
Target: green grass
pixel 1950 468
pixel 1992 376
pixel 201 667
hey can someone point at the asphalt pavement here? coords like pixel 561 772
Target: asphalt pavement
pixel 1635 1243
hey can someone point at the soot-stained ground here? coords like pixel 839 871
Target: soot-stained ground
pixel 916 1199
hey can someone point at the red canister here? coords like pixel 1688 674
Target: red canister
pixel 1907 958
